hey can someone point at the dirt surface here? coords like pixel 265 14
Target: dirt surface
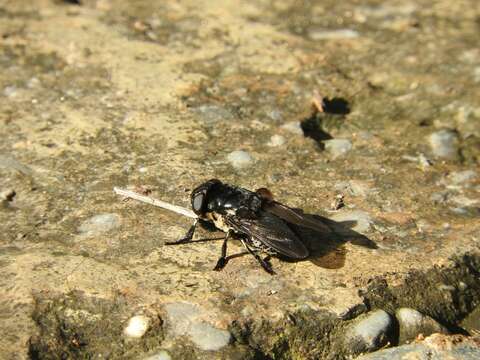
pixel 154 96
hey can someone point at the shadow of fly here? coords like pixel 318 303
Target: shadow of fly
pixel 263 225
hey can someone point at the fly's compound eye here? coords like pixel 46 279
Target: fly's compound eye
pixel 197 202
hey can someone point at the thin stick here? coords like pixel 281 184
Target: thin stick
pixel 155 202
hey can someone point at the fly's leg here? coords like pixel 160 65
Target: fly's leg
pixel 262 262
pixel 188 236
pixel 222 261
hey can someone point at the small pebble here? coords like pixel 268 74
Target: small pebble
pixel 99 224
pixel 276 140
pixel 444 144
pixel 338 147
pixel 240 159
pixel 137 326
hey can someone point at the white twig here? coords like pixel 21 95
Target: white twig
pixel 155 202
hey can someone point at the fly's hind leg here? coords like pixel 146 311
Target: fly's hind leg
pixel 265 265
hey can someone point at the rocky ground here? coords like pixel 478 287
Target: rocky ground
pixel 161 96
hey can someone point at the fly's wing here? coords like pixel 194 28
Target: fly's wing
pixel 294 217
pixel 271 231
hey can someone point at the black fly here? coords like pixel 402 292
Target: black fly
pixel 261 224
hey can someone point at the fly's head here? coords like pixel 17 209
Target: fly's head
pixel 200 196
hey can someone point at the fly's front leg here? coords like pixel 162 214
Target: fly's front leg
pixel 222 261
pixel 262 262
pixel 188 236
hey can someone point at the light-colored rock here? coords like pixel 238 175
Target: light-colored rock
pixel 137 326
pixel 412 323
pixel 276 140
pixel 207 337
pixel 240 159
pixel 363 220
pixel 99 224
pixel 186 319
pixel 444 144
pixel 369 332
pixel 338 147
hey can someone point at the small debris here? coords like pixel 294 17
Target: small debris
pixel 338 202
pixel 422 160
pixel 7 195
pixel 137 326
